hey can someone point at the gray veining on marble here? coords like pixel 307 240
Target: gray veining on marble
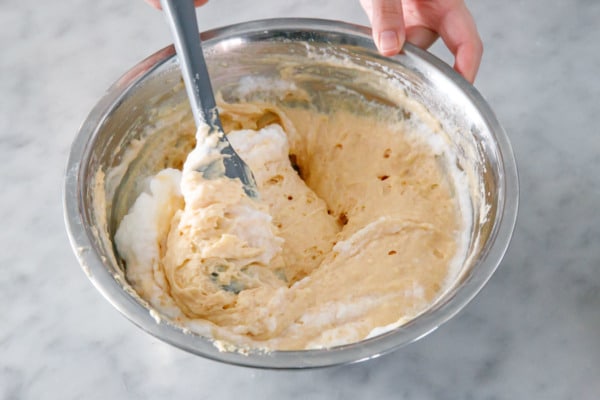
pixel 532 333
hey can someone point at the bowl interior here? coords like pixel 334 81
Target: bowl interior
pixel 104 178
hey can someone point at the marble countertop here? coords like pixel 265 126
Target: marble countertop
pixel 532 333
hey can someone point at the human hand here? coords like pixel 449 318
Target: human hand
pixel 421 22
pixel 156 3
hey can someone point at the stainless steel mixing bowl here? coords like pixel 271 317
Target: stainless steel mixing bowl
pixel 99 189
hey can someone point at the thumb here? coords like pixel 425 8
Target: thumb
pixel 387 22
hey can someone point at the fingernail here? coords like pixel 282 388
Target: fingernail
pixel 388 42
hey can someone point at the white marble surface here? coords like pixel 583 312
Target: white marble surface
pixel 532 333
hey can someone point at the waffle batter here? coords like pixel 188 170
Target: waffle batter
pixel 356 228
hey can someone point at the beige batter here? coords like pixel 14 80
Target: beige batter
pixel 355 229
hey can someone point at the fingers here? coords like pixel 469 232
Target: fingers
pixel 421 22
pixel 421 36
pixel 459 32
pixel 387 23
pixel 156 3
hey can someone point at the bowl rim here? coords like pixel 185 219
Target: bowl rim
pixel 82 241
